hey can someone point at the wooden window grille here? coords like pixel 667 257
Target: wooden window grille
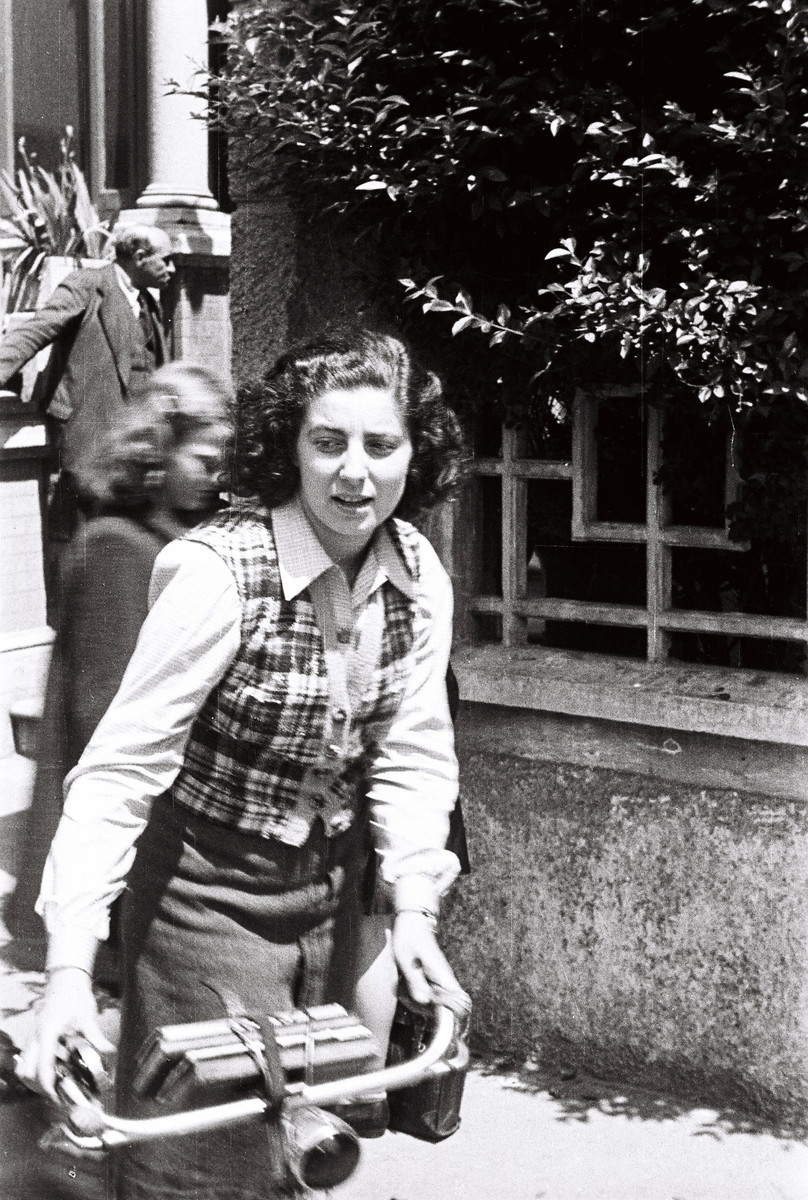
pixel 515 608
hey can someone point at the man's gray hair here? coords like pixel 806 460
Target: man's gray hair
pixel 131 239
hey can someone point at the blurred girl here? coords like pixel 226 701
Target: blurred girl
pixel 153 477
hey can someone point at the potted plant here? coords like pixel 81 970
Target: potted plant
pixel 51 217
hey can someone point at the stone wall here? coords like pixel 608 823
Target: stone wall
pixel 288 282
pixel 639 929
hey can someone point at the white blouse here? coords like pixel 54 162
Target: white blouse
pixel 186 645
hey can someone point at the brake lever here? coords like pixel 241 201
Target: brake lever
pixel 81 1079
pixel 81 1062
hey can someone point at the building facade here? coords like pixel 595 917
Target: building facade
pixel 108 72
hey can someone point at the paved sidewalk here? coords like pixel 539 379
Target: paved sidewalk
pixel 520 1143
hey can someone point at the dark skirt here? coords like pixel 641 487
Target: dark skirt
pixel 215 918
pixel 456 841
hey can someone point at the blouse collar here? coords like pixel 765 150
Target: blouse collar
pixel 302 559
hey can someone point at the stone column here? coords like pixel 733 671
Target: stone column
pixel 177 198
pixel 176 49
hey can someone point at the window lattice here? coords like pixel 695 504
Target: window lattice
pixel 503 594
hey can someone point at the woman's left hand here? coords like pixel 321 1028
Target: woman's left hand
pixel 419 957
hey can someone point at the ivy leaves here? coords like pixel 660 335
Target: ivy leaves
pixel 571 193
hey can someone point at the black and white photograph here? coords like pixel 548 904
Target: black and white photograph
pixel 403 600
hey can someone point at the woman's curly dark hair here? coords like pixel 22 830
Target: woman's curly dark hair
pixel 270 413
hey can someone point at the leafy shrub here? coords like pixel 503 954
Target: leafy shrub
pixel 604 191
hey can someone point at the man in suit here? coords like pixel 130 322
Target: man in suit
pixel 106 330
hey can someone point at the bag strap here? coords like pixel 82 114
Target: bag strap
pixel 257 1035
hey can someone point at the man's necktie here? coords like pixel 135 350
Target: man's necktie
pixel 146 322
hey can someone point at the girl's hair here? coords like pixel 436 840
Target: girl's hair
pixel 179 399
pixel 190 397
pixel 271 411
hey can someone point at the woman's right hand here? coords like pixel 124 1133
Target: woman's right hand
pixel 67 1007
pixel 420 960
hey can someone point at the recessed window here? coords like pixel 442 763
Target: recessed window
pixel 574 537
pixel 50 76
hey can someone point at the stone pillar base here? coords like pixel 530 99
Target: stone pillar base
pixel 158 196
pixel 193 231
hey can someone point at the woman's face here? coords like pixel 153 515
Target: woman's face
pixel 353 453
pixel 194 470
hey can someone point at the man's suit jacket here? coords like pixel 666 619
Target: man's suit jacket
pixel 97 357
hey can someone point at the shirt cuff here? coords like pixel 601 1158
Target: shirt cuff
pixel 416 892
pixel 72 948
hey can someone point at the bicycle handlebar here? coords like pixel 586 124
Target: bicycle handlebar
pixel 91 1128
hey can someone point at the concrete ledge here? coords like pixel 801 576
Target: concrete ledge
pixel 194 231
pixel 730 703
pixel 24 660
pixel 652 752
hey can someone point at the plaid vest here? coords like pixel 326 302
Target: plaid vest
pixel 266 723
